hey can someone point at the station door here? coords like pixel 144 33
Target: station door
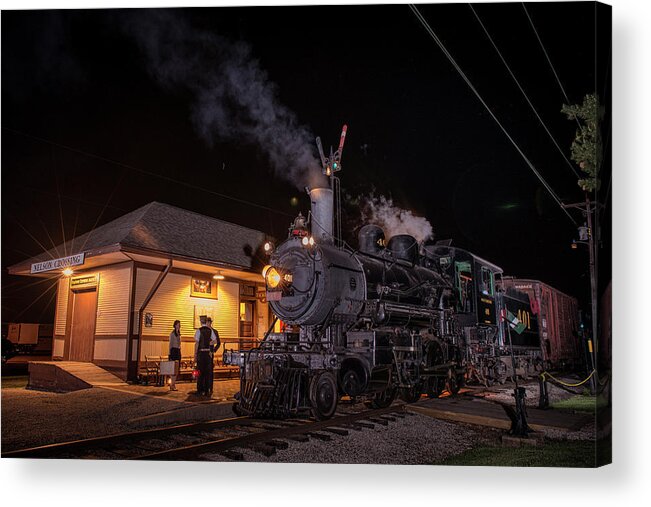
pixel 82 329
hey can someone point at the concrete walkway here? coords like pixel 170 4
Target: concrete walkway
pixel 485 413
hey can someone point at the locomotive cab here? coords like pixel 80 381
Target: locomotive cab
pixel 475 283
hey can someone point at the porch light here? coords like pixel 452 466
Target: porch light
pixel 218 276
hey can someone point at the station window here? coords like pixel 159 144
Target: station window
pixel 487 284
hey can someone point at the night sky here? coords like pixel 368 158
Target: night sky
pixel 90 133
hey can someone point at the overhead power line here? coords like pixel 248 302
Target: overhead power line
pixel 558 80
pixel 474 90
pixel 571 166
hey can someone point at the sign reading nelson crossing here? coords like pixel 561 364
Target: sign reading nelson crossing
pixel 63 262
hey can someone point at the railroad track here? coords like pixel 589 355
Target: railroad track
pixel 227 437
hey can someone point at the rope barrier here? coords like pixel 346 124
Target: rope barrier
pixel 547 374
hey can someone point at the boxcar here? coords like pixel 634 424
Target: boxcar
pixel 558 321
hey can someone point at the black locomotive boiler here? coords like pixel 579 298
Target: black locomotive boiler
pixel 375 322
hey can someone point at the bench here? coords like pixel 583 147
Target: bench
pixel 150 369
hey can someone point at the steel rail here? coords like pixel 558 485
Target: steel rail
pixel 224 444
pixel 89 443
pixel 105 442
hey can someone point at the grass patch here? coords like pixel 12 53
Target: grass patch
pixel 18 382
pixel 581 403
pixel 571 454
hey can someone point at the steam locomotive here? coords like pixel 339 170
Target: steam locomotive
pixel 387 319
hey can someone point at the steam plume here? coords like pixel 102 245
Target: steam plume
pixel 232 97
pixel 395 220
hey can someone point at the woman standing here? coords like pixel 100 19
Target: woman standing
pixel 175 351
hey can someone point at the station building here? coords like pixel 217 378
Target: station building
pixel 121 286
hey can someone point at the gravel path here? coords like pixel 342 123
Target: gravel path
pixel 415 440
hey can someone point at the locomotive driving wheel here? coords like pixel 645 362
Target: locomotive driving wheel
pixel 384 398
pixel 411 394
pixel 323 395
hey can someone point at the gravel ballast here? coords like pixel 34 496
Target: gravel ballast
pixel 414 440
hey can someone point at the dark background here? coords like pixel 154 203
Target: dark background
pixel 77 98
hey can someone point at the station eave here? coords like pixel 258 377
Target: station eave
pixel 115 254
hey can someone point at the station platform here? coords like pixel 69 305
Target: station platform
pixel 485 413
pixel 177 406
pixel 66 376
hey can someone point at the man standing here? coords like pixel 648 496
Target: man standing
pixel 206 342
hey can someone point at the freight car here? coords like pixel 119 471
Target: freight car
pixel 558 316
pixel 31 338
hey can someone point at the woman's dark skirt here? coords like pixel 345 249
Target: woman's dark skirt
pixel 175 354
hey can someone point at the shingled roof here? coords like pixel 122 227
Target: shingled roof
pixel 165 229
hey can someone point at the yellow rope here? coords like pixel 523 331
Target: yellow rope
pixel 547 374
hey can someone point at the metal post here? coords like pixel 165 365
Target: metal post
pixel 587 208
pixel 519 426
pixel 543 399
pixel 593 291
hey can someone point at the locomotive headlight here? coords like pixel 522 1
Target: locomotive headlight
pixel 305 241
pixel 272 277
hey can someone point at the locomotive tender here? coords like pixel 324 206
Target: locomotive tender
pixel 389 318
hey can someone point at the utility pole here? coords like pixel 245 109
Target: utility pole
pixel 587 237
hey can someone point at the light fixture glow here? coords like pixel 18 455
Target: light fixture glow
pixel 311 241
pixel 305 240
pixel 218 276
pixel 67 272
pixel 272 277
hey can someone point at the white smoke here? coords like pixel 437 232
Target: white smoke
pixel 395 220
pixel 232 97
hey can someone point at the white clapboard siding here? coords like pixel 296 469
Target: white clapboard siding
pixel 112 349
pixel 145 279
pixel 172 301
pixel 57 348
pixel 113 300
pixel 62 307
pixel 154 348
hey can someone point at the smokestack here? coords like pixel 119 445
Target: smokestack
pixel 321 222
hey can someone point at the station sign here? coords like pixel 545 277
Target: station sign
pixel 83 282
pixel 61 263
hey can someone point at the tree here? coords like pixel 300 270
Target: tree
pixel 586 148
